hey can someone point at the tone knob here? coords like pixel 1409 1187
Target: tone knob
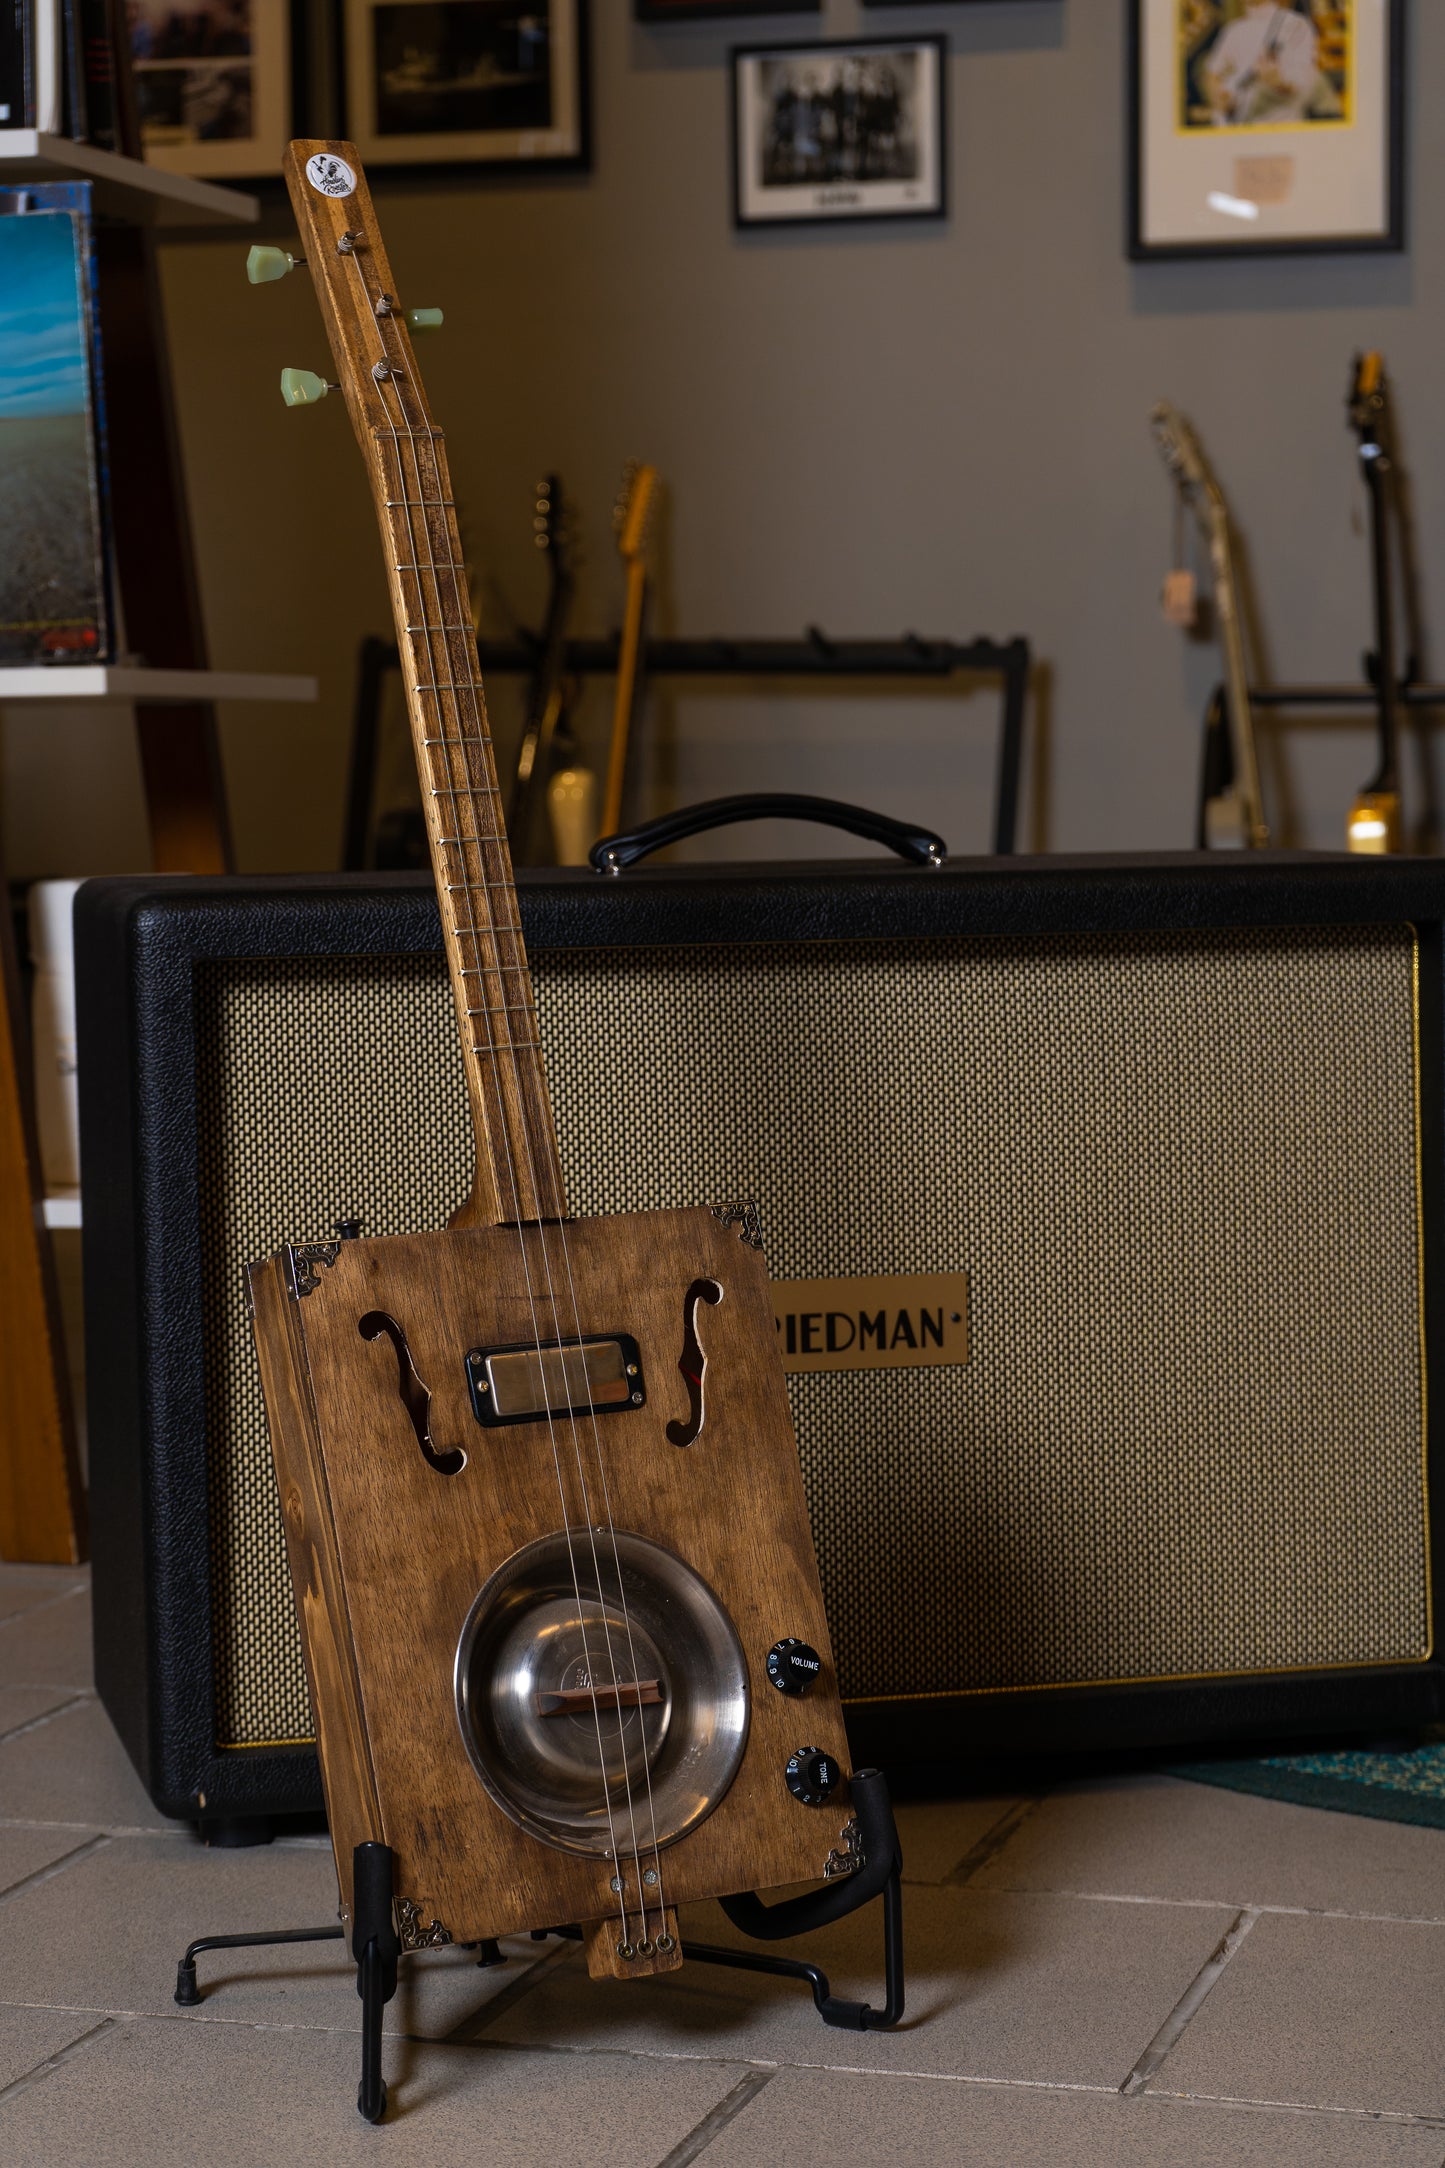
pixel 792 1666
pixel 812 1776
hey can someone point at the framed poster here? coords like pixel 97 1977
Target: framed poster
pixel 467 82
pixel 838 131
pixel 213 84
pixel 1266 126
pixel 697 11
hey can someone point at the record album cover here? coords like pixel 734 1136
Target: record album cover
pixel 54 587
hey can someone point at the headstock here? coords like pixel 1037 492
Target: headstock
pixel 1369 401
pixel 1183 453
pixel 553 527
pixel 632 512
pixel 370 332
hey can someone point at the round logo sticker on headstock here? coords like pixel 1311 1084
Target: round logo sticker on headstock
pixel 332 176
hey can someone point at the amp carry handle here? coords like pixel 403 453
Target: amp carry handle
pixel 920 846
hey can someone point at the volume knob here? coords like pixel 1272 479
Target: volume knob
pixel 792 1666
pixel 812 1776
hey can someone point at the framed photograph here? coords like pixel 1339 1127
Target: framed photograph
pixel 467 82
pixel 838 131
pixel 213 84
pixel 1266 126
pixel 697 11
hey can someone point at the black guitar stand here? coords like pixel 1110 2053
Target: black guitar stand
pixel 376 1949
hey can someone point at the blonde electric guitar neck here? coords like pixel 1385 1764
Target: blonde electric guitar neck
pixel 633 517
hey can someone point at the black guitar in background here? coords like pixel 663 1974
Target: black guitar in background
pixel 1374 826
pixel 546 736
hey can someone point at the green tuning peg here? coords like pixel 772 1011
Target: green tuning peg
pixel 423 319
pixel 302 387
pixel 265 264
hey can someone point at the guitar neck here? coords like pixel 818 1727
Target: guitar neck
pixel 1370 406
pixel 1236 672
pixel 544 713
pixel 517 1172
pixel 625 702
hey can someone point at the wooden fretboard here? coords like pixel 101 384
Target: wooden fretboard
pixel 518 1174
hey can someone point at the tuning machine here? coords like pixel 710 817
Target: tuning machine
pixel 265 264
pixel 303 387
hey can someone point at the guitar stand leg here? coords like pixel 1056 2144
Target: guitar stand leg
pixel 833 2009
pixel 375 1947
pixel 188 1992
pixel 881 1875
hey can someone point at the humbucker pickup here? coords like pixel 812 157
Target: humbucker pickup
pixel 601 1376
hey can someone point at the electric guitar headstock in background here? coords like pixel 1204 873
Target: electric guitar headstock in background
pixel 1232 807
pixel 632 520
pixel 1375 825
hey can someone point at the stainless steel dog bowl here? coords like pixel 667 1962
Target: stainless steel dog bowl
pixel 560 1731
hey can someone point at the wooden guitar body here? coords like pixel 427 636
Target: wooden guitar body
pixel 390 1543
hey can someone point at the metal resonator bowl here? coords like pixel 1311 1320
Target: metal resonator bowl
pixel 592 1776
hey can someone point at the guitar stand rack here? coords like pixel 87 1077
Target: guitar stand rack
pixel 377 1950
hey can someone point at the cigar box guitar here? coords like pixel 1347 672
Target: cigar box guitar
pixel 542 1502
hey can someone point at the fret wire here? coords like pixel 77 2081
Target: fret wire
pixel 457 787
pixel 443 504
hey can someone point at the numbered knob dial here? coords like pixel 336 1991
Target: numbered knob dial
pixel 793 1667
pixel 812 1776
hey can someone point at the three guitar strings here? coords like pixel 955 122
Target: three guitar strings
pixel 468 685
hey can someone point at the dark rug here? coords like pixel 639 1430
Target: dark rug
pixel 1404 1784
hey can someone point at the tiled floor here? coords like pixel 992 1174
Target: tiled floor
pixel 1139 1971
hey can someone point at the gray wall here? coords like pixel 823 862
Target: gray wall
pixel 940 427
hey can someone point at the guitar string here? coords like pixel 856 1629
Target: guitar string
pixel 513 926
pixel 426 632
pixel 501 924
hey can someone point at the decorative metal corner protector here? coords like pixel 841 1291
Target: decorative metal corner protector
pixel 412 1934
pixel 745 1216
pixel 301 1261
pixel 851 1857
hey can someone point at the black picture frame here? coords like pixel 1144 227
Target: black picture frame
pixel 709 11
pixel 1390 238
pixel 932 206
pixel 439 151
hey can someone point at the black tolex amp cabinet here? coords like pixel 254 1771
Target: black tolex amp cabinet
pixel 1177 1121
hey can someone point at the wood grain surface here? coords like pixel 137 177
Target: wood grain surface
pixel 518 1174
pixel 388 1554
pixel 42 1498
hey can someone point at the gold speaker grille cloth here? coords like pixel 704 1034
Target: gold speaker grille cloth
pixel 1180 1170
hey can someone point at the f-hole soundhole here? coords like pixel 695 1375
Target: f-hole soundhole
pixel 692 1362
pixel 415 1397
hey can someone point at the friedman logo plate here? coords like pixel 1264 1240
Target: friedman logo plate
pixel 894 1322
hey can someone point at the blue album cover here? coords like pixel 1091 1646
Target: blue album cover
pixel 54 553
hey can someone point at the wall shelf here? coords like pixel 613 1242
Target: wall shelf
pixel 121 681
pixel 124 187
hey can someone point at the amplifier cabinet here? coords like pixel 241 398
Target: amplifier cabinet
pixel 1166 1133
